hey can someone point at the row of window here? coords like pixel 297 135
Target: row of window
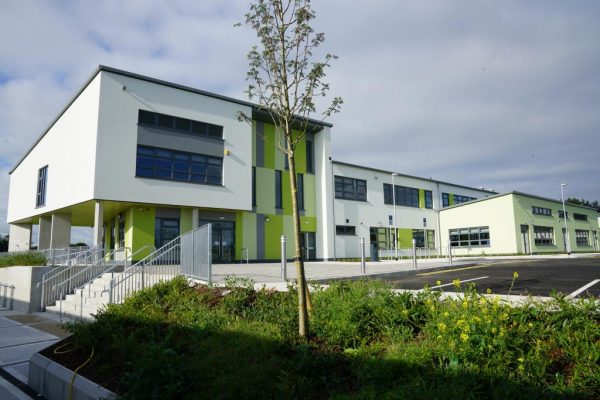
pixel 457 199
pixel 159 163
pixel 183 125
pixel 470 237
pixel 541 211
pixel 350 188
pixel 561 213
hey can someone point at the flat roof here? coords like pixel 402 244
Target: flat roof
pixel 411 176
pixel 255 107
pixel 514 192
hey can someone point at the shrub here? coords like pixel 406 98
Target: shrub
pixel 33 258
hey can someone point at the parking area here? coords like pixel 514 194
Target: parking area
pixel 577 277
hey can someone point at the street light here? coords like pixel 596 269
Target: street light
pixel 394 224
pixel 562 196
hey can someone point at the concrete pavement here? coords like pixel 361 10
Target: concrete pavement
pixel 22 335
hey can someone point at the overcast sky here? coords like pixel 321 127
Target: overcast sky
pixel 501 94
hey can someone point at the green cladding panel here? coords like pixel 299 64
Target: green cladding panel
pixel 300 156
pixel 265 191
pixel 254 143
pixel 405 237
pixel 451 199
pixel 273 232
pixel 269 146
pixel 239 235
pixel 185 221
pixel 286 192
pixel 248 233
pixel 143 230
pixel 310 195
pixel 308 224
pixel 422 198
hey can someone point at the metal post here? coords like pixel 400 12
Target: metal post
pixel 394 201
pixel 209 250
pixel 81 305
pixel 110 291
pixel 414 253
pixel 283 260
pixel 449 253
pixel 12 296
pixel 567 241
pixel 363 266
pixel 143 277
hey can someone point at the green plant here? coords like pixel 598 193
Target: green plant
pixel 30 258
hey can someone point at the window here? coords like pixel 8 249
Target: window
pixel 300 192
pixel 40 198
pixel 470 237
pixel 445 200
pixel 345 230
pixel 173 165
pixel 165 230
pixel 561 214
pixel 541 211
pixel 162 121
pixel 462 199
pixel 350 188
pixel 121 233
pixel 419 237
pixel 405 196
pixel 580 217
pixel 309 157
pixel 543 235
pixel 112 236
pixel 254 186
pixel 278 187
pixel 582 236
pixel 428 199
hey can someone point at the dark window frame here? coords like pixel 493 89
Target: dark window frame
pixel 541 211
pixel 278 189
pixel 300 191
pixel 582 237
pixel 345 230
pixel 42 187
pixel 428 198
pixel 543 235
pixel 580 217
pixel 476 236
pixel 405 196
pixel 347 188
pixel 177 124
pixel 178 166
pixel 310 167
pixel 445 199
pixel 458 199
pixel 253 186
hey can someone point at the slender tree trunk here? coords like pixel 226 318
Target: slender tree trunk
pixel 303 295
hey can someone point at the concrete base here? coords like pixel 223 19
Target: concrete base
pixel 27 295
pixel 53 381
pixel 20 237
pixel 60 236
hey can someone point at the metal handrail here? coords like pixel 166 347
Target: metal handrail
pixel 5 299
pixel 244 251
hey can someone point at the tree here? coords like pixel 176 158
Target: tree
pixel 3 243
pixel 285 80
pixel 593 204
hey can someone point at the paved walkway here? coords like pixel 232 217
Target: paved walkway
pixel 21 335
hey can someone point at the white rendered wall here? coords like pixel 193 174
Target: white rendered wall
pixel 375 213
pixel 69 151
pixel 497 213
pixel 117 144
pixel 324 194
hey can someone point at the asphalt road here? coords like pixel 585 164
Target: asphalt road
pixel 540 277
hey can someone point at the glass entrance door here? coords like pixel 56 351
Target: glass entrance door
pixel 309 246
pixel 223 240
pixel 165 230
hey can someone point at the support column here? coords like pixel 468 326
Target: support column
pixel 44 232
pixel 60 233
pixel 195 215
pixel 98 223
pixel 20 237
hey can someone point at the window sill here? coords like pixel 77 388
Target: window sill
pixel 180 181
pixel 361 201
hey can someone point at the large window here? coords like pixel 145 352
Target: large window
pixel 121 233
pixel 470 237
pixel 183 125
pixel 582 237
pixel 445 199
pixel 165 230
pixel 405 196
pixel 158 163
pixel 419 237
pixel 561 214
pixel 580 217
pixel 543 235
pixel 428 199
pixel 345 230
pixel 350 188
pixel 462 199
pixel 541 211
pixel 278 190
pixel 40 198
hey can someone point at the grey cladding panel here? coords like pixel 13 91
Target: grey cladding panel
pixel 260 144
pixel 180 141
pixel 168 213
pixel 260 236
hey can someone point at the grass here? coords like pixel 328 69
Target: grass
pixel 176 341
pixel 31 258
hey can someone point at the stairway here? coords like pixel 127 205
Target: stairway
pixel 86 300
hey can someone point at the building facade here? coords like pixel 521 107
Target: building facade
pixel 142 161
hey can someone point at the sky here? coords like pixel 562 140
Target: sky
pixel 499 94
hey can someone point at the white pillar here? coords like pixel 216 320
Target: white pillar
pixel 44 232
pixel 98 223
pixel 20 237
pixel 60 231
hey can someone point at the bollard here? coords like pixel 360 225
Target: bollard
pixel 414 252
pixel 363 266
pixel 449 253
pixel 283 260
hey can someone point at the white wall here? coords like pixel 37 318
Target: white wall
pixel 324 194
pixel 497 213
pixel 375 213
pixel 117 143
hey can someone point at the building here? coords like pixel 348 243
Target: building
pixel 519 223
pixel 142 161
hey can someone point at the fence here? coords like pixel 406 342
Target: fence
pixel 7 294
pixel 196 253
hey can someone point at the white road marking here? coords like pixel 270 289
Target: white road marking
pixel 466 280
pixel 583 288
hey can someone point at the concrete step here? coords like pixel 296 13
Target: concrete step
pixel 71 313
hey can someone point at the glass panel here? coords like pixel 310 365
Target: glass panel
pixel 147 172
pixel 165 121
pixel 146 117
pixel 144 162
pixel 163 164
pixel 163 153
pixel 182 124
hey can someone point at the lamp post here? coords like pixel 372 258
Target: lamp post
pixel 562 196
pixel 394 224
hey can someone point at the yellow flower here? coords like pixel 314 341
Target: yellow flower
pixel 464 337
pixel 438 282
pixel 489 291
pixel 520 359
pixel 442 326
pixel 515 275
pixel 456 282
pixel 494 330
pixel 446 313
